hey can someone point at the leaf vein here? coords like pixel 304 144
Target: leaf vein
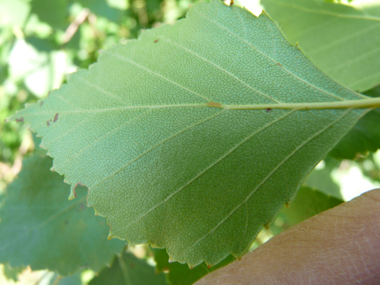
pixel 271 59
pixel 210 166
pixel 267 177
pixel 159 75
pixel 222 69
pixel 157 145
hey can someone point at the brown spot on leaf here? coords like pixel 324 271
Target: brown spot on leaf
pixel 266 226
pixel 208 266
pixel 279 64
pixel 232 2
pixel 287 205
pixel 213 104
pixel 20 120
pixel 41 103
pixel 268 110
pixel 156 41
pixel 47 123
pixel 55 118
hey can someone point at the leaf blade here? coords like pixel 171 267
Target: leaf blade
pixel 212 176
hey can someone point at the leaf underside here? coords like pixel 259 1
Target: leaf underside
pixel 200 181
pixel 343 41
pixel 40 228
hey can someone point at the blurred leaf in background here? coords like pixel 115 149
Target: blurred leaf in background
pixel 128 269
pixel 40 228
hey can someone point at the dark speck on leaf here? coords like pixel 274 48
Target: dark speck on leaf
pixel 41 103
pixel 55 118
pixel 156 41
pixel 47 123
pixel 268 110
pixel 279 64
pixel 20 120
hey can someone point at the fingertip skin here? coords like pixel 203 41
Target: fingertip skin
pixel 338 246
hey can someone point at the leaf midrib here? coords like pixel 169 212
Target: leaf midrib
pixel 368 102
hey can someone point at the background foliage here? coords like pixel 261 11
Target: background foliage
pixel 42 40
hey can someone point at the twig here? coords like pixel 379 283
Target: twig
pixel 71 30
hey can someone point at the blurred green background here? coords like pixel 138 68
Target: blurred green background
pixel 43 40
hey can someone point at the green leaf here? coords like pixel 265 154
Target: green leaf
pixel 181 274
pixel 364 136
pixel 195 135
pixel 128 269
pixel 40 228
pixel 341 40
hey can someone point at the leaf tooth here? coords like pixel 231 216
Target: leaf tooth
pixel 73 194
pixel 237 256
pixel 110 236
